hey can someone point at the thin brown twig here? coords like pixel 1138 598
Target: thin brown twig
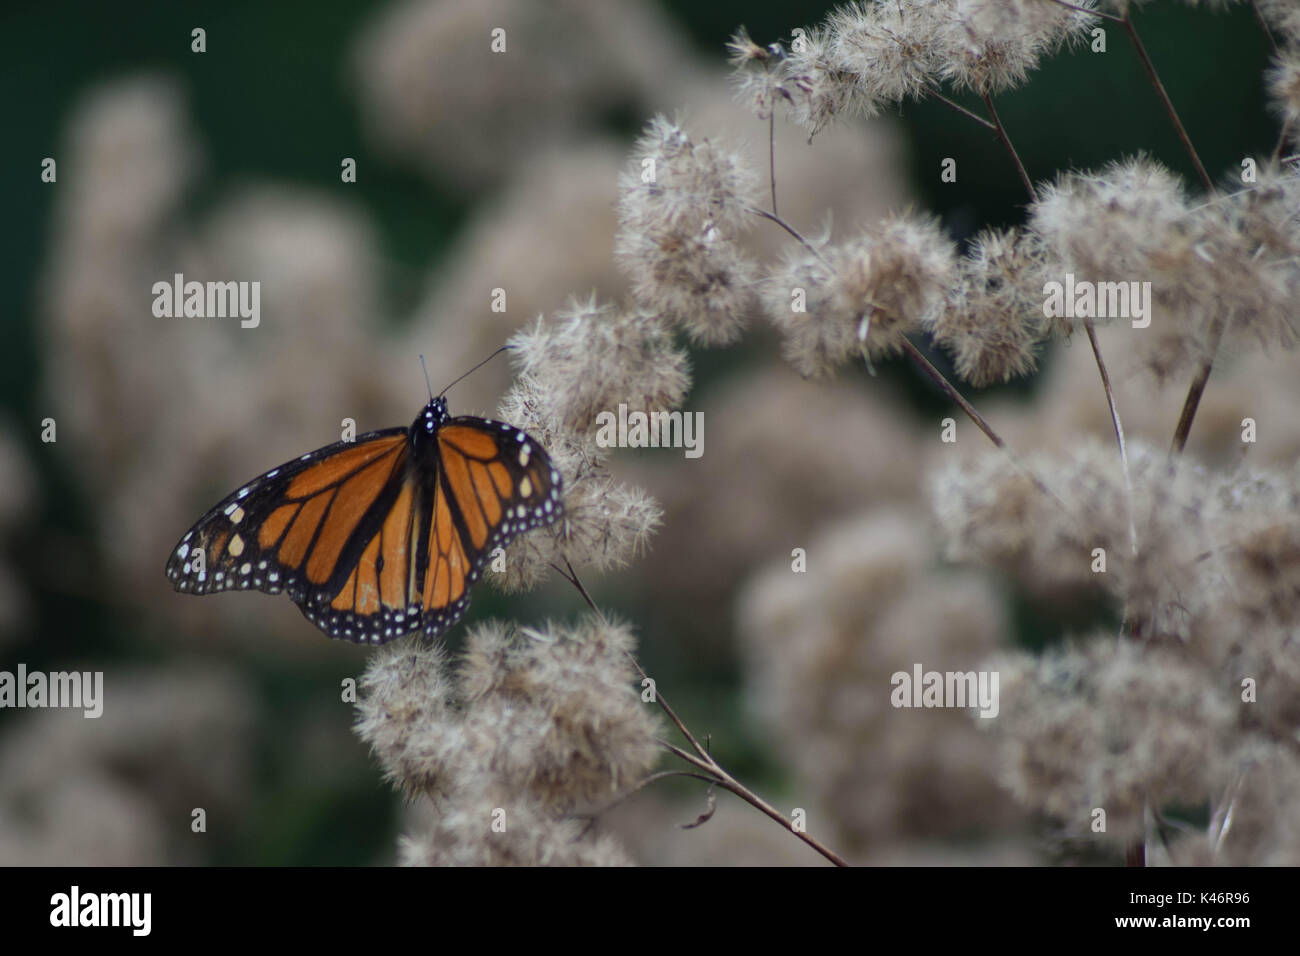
pixel 702 759
pixel 1159 86
pixel 950 390
pixel 1197 388
pixel 1119 428
pixel 913 353
pixel 919 359
pixel 1088 324
pixel 953 104
pixel 638 787
pixel 1006 142
pixel 790 229
pixel 1137 852
pixel 1263 25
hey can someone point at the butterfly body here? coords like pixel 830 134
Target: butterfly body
pixel 381 536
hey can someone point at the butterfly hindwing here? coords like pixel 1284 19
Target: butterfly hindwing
pixel 499 481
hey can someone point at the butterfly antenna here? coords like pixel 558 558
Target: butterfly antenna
pixel 504 348
pixel 426 376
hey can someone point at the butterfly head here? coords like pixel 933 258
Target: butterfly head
pixel 432 417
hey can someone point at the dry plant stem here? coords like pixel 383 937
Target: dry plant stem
pixel 1087 324
pixel 716 774
pixel 1119 428
pixel 1006 142
pixel 950 390
pixel 926 366
pixel 727 782
pixel 1168 103
pixel 1136 40
pixel 1263 25
pixel 702 759
pixel 1197 389
pixel 1126 21
pixel 935 94
pixel 790 229
pixel 1221 822
pixel 1136 854
pixel 912 351
pixel 641 785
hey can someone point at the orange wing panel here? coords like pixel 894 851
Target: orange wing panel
pixel 468 441
pixel 354 498
pixel 340 465
pixel 296 542
pixel 397 543
pixel 462 489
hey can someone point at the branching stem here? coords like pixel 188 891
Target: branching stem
pixel 701 759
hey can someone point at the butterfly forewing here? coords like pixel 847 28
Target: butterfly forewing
pixel 263 535
pixel 374 539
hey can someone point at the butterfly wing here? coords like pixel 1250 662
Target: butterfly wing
pixel 369 542
pixel 290 529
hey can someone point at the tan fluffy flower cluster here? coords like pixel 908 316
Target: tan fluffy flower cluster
pixel 1203 678
pixel 859 297
pixel 587 360
pixel 868 56
pixel 530 726
pixel 822 646
pixel 1112 726
pixel 993 317
pixel 1228 265
pixel 682 205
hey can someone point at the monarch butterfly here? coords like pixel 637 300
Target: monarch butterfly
pixel 381 536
